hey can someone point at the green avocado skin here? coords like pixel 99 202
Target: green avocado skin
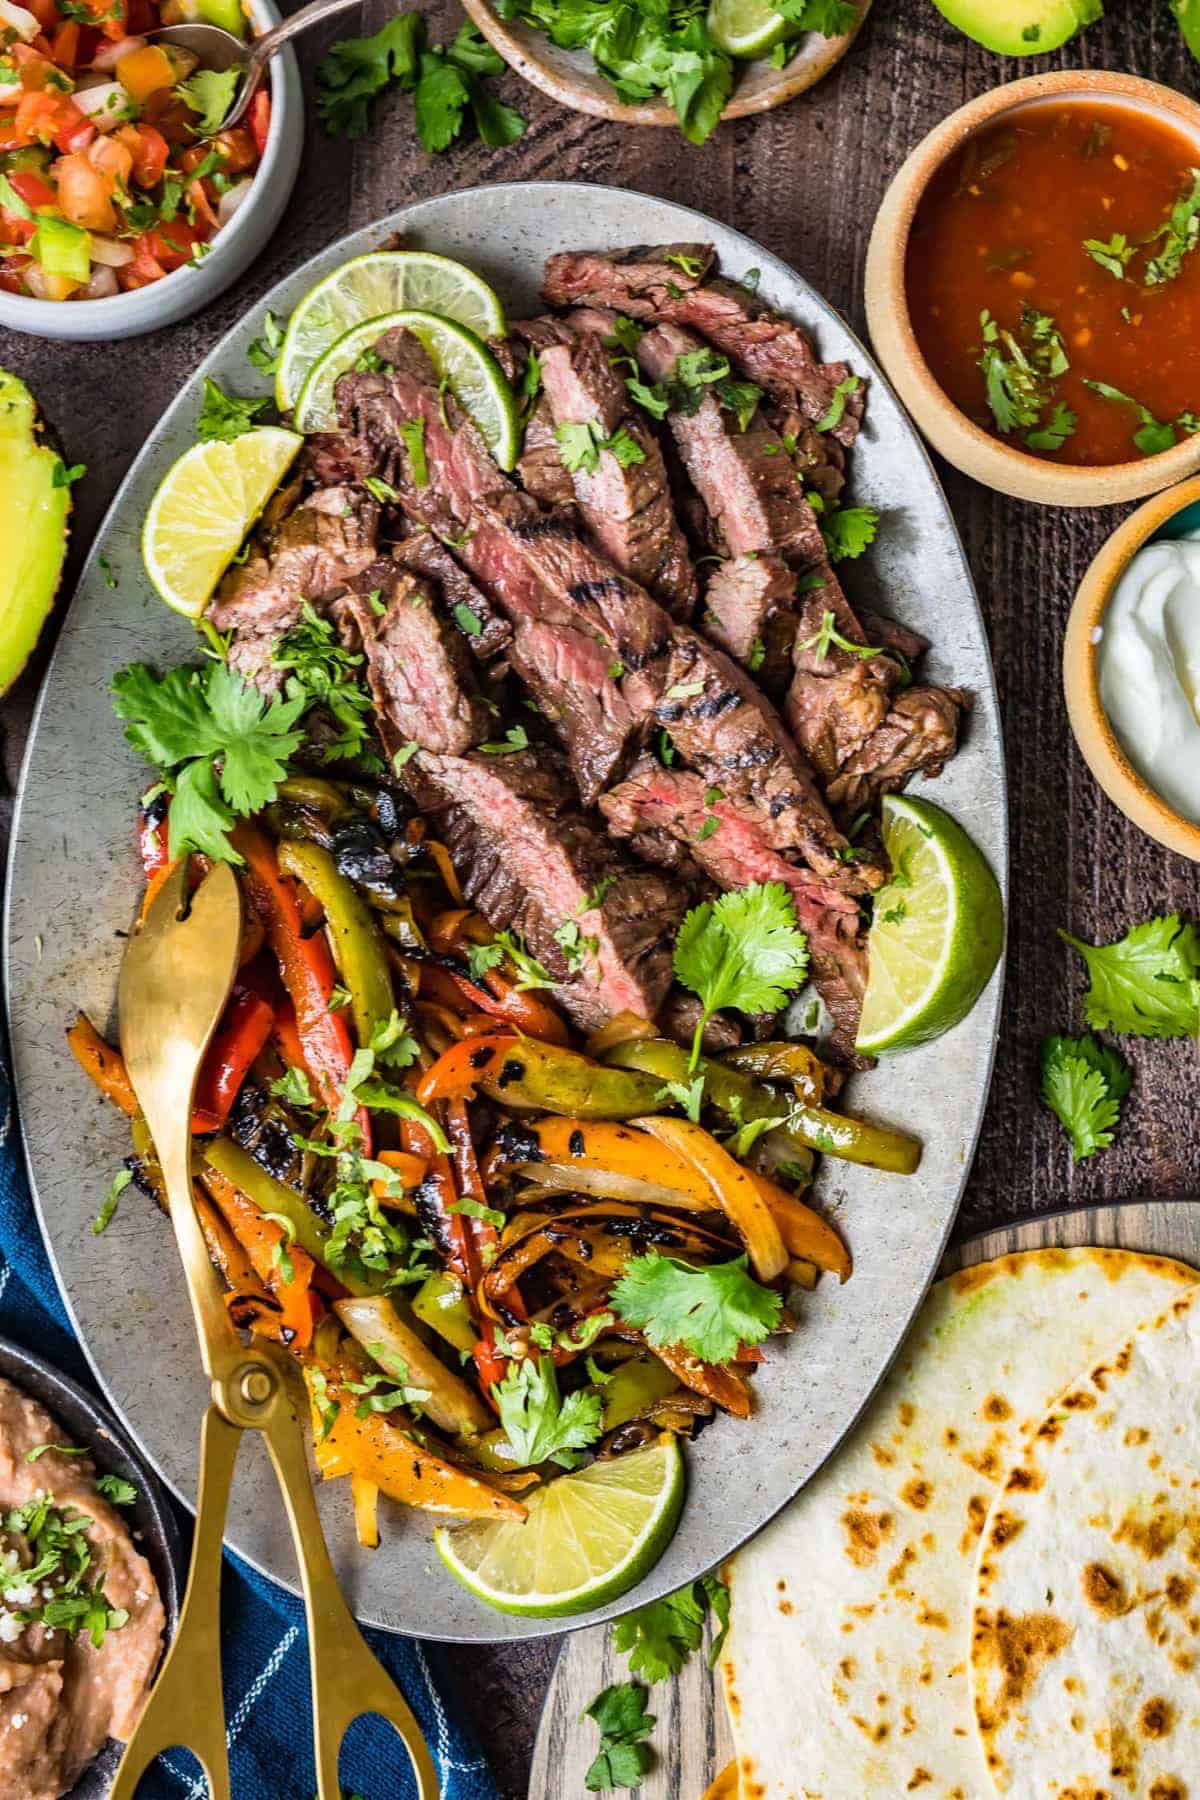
pixel 1020 27
pixel 33 528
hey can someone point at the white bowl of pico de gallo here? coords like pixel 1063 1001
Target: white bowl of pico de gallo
pixel 120 211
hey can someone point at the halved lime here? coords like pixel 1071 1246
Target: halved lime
pixel 746 28
pixel 588 1538
pixel 475 377
pixel 937 933
pixel 382 281
pixel 205 505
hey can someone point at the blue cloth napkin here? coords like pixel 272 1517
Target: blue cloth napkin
pixel 264 1650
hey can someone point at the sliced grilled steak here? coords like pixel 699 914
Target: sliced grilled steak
pixel 680 1014
pixel 614 637
pixel 335 459
pixel 418 668
pixel 918 735
pixel 541 465
pixel 818 458
pixel 768 348
pixel 895 638
pixel 750 611
pixel 739 851
pixel 837 697
pixel 745 478
pixel 315 551
pixel 626 504
pixel 526 860
pixel 423 555
pixel 726 729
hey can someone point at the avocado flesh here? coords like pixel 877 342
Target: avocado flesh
pixel 33 528
pixel 1020 27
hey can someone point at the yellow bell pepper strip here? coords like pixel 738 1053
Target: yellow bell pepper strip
pixel 599 1144
pixel 733 1189
pixel 401 1467
pixel 357 945
pixel 102 1064
pixel 743 1099
pixel 546 1078
pixel 284 1268
pixel 793 1063
pixel 803 1231
pixel 411 1170
pixel 366 1511
pixel 633 1387
pixel 380 1327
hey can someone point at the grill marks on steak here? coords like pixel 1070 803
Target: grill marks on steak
pixel 526 860
pixel 418 668
pixel 676 803
pixel 771 350
pixel 626 508
pixel 918 736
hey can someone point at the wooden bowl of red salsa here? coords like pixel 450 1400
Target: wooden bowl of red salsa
pixel 1033 287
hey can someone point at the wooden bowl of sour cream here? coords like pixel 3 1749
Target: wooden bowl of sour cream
pixel 1131 668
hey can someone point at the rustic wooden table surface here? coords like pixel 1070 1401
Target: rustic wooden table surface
pixel 805 181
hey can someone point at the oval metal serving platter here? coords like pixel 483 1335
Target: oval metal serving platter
pixel 75 881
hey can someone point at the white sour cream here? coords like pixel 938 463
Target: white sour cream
pixel 1148 656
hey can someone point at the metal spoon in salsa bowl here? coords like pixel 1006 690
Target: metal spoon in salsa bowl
pixel 221 50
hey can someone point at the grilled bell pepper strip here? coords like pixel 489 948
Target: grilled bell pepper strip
pixel 271 1251
pixel 793 1063
pixel 458 1071
pixel 379 1325
pixel 733 1191
pixel 247 1024
pixel 270 1195
pixel 102 1064
pixel 441 1304
pixel 718 1383
pixel 602 1145
pixel 743 1099
pixel 307 969
pixel 250 1306
pixel 491 1364
pixel 152 838
pixel 402 1467
pixel 365 1495
pixel 411 1171
pixel 499 999
pixel 547 1078
pixel 804 1232
pixel 357 944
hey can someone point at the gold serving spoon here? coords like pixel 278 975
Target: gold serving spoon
pixel 175 980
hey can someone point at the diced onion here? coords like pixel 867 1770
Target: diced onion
pixel 232 198
pixel 111 251
pixel 108 55
pixel 103 284
pixel 20 20
pixel 106 104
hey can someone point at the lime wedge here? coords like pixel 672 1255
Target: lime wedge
pixel 205 505
pixel 746 28
pixel 588 1538
pixel 383 281
pixel 937 932
pixel 475 377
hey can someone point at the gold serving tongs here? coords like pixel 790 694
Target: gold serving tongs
pixel 175 980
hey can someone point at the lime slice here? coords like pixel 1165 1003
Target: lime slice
pixel 474 375
pixel 383 281
pixel 588 1538
pixel 205 505
pixel 746 28
pixel 937 932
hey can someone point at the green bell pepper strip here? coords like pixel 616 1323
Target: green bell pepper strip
pixel 310 1232
pixel 548 1078
pixel 357 946
pixel 632 1389
pixel 441 1303
pixel 807 1126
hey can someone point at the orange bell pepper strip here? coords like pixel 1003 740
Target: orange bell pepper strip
pixel 723 1386
pixel 531 1015
pixel 456 1073
pixel 250 1306
pixel 404 1469
pixel 248 1022
pixel 412 1171
pixel 803 1231
pixel 265 1245
pixel 306 965
pixel 733 1190
pixel 102 1064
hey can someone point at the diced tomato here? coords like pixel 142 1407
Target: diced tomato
pixel 203 210
pixel 14 138
pixel 143 270
pixel 238 148
pixel 89 41
pixel 45 12
pixel 65 45
pixel 14 229
pixel 32 189
pixel 33 68
pixel 84 194
pixel 112 159
pixel 46 117
pixel 170 246
pixel 260 120
pixel 77 138
pixel 149 150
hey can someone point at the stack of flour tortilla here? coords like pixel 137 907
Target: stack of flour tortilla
pixel 994 1586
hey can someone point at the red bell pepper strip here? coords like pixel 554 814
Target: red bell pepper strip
pixel 306 966
pixel 248 1022
pixel 502 1001
pixel 457 1071
pixel 260 120
pixel 438 1196
pixel 152 840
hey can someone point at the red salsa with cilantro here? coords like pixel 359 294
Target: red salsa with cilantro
pixel 1054 282
pixel 112 170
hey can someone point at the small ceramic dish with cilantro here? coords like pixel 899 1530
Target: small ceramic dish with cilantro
pixel 686 66
pixel 122 207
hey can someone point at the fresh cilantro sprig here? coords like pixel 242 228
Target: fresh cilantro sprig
pixel 112 1200
pixel 743 950
pixel 1020 370
pixel 1083 1084
pixel 835 412
pixel 209 93
pixel 829 637
pixel 660 1638
pixel 223 416
pixel 1147 984
pixel 216 743
pixel 623 1757
pixel 1153 436
pixel 541 1424
pixel 264 352
pixel 1113 253
pixel 832 18
pixel 847 530
pixel 321 671
pixel 446 84
pixel 1176 237
pixel 579 448
pixel 708 1311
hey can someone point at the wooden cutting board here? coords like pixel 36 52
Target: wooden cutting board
pixel 692 1738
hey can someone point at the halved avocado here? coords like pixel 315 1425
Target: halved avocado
pixel 33 527
pixel 1020 27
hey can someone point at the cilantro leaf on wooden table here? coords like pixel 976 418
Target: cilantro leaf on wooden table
pixel 1083 1084
pixel 356 70
pixel 743 950
pixel 1147 983
pixel 658 1639
pixel 708 1311
pixel 620 1713
pixel 445 83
